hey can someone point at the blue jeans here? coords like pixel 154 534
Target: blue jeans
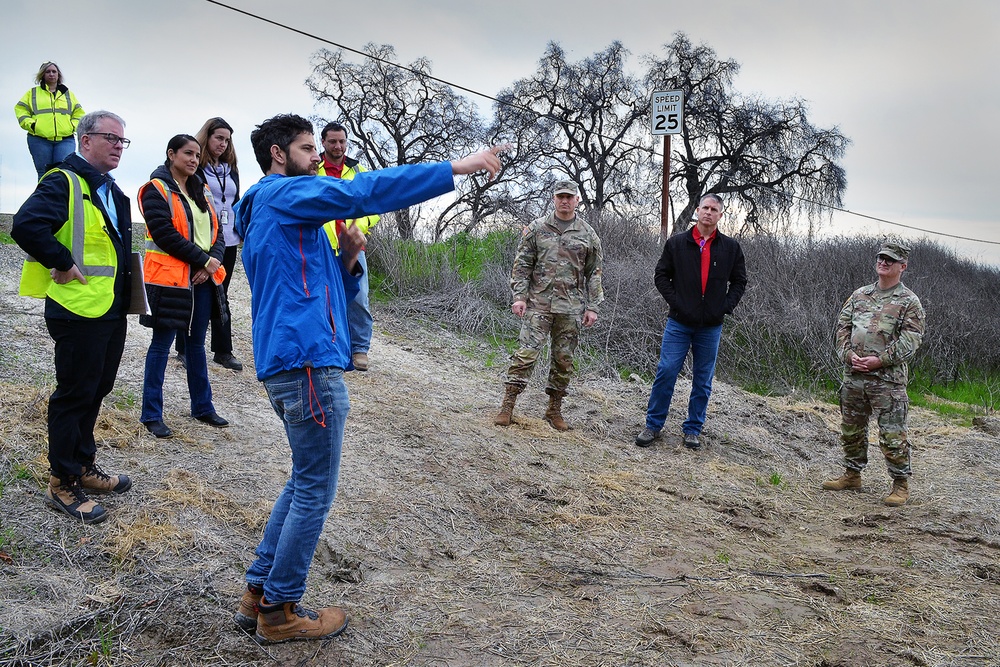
pixel 359 316
pixel 677 340
pixel 313 405
pixel 45 153
pixel 194 355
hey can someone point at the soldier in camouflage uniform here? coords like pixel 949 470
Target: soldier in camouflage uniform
pixel 879 330
pixel 556 281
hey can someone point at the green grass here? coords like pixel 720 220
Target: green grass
pixel 123 399
pixel 6 238
pixel 963 399
pixel 8 539
pixel 469 254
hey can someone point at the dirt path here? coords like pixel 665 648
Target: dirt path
pixel 453 542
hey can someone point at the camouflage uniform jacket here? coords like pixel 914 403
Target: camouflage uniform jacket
pixel 558 272
pixel 889 323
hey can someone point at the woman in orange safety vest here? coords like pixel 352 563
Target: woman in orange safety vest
pixel 183 273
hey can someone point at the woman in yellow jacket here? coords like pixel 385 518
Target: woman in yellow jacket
pixel 183 274
pixel 49 113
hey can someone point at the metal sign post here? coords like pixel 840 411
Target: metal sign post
pixel 666 118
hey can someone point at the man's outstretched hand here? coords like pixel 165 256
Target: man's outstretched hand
pixel 486 160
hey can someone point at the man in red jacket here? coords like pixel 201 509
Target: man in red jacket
pixel 702 276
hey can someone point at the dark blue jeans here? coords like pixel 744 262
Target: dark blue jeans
pixel 313 406
pixel 359 315
pixel 45 153
pixel 197 366
pixel 703 342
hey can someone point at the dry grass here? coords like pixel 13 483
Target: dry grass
pixel 453 542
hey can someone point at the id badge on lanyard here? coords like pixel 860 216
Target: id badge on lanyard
pixel 224 217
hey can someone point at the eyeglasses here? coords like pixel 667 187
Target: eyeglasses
pixel 888 261
pixel 112 138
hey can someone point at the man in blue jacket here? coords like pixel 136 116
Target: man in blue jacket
pixel 301 342
pixel 702 276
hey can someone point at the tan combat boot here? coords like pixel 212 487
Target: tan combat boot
pixel 95 480
pixel 511 392
pixel 286 621
pixel 851 479
pixel 554 413
pixel 67 496
pixel 899 494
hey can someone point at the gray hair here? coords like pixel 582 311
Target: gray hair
pixel 712 195
pixel 89 122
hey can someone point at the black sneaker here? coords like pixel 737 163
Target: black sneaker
pixel 159 429
pixel 227 360
pixel 691 441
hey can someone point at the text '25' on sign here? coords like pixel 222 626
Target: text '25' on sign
pixel 668 112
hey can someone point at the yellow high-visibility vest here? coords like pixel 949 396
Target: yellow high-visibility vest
pixel 86 235
pixel 365 223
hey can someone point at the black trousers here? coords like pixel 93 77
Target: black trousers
pixel 222 331
pixel 87 355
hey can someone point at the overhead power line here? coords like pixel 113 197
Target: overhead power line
pixel 324 40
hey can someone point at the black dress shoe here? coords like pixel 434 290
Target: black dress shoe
pixel 227 360
pixel 213 419
pixel 159 429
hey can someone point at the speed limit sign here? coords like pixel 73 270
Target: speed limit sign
pixel 668 112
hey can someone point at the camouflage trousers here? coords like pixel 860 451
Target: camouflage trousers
pixel 564 331
pixel 860 398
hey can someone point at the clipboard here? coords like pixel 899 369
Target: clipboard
pixel 138 303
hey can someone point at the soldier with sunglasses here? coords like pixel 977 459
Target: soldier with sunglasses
pixel 878 332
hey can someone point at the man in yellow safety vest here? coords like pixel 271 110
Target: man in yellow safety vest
pixel 77 230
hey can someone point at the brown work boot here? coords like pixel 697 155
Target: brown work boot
pixel 851 479
pixel 511 392
pixel 96 480
pixel 360 361
pixel 286 621
pixel 553 415
pixel 246 613
pixel 899 494
pixel 68 497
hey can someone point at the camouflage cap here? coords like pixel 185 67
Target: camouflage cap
pixel 895 250
pixel 566 187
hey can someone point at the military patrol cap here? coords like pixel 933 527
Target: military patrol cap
pixel 566 187
pixel 895 250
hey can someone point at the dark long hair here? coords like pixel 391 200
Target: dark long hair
pixel 195 186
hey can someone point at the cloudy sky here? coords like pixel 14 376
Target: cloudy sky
pixel 913 83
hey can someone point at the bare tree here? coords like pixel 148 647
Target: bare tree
pixel 396 114
pixel 764 154
pixel 584 119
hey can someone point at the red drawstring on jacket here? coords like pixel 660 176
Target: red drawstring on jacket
pixel 312 394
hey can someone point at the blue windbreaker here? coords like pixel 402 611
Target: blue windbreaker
pixel 299 288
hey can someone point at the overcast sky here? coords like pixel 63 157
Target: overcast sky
pixel 912 83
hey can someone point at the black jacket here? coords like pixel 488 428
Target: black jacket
pixel 172 307
pixel 678 278
pixel 46 211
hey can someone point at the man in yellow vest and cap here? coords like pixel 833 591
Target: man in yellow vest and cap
pixel 335 162
pixel 76 228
